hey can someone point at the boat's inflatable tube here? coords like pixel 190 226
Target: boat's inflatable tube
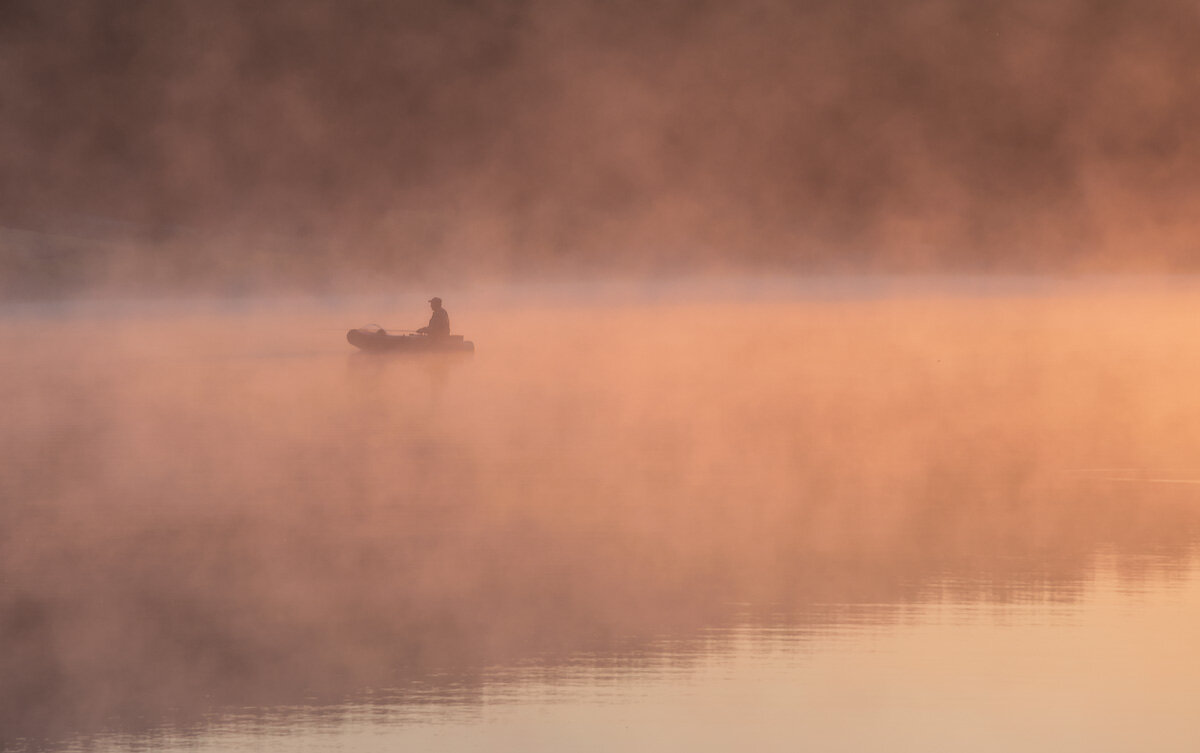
pixel 379 341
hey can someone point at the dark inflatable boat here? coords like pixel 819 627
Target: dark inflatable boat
pixel 377 340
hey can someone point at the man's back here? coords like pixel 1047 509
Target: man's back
pixel 439 323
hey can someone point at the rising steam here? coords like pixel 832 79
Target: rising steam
pixel 290 143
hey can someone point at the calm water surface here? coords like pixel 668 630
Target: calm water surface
pixel 922 519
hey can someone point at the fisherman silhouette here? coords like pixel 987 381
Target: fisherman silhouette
pixel 434 338
pixel 439 323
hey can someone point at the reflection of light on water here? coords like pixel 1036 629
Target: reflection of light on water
pixel 1138 475
pixel 1108 671
pixel 618 506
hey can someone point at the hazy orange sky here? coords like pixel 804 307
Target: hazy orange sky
pixel 219 139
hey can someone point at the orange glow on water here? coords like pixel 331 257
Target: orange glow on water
pixel 210 507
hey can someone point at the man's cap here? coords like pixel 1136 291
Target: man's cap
pixel 435 299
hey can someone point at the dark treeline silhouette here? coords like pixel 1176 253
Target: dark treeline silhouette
pixel 535 135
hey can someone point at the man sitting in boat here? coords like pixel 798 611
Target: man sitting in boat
pixel 439 323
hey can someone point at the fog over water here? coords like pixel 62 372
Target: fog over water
pixel 835 362
pixel 211 506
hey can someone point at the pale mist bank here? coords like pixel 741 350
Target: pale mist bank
pixel 214 505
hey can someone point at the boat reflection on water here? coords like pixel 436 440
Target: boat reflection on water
pixel 191 533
